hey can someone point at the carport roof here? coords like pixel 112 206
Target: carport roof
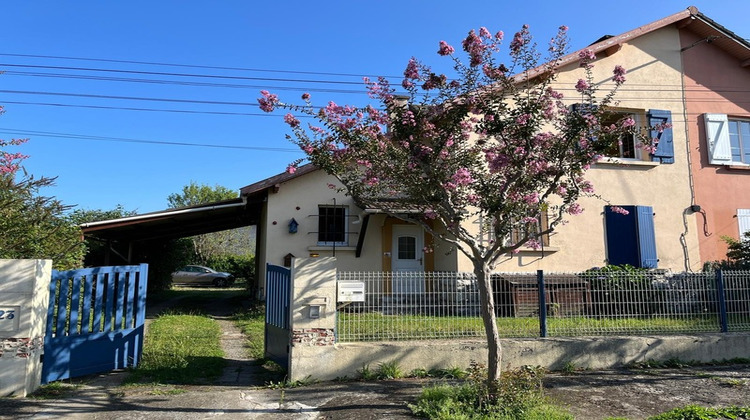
pixel 180 222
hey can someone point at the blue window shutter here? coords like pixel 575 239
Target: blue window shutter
pixel 646 237
pixel 621 236
pixel 664 152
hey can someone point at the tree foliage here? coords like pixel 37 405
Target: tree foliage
pixel 33 225
pixel 212 245
pixel 495 144
pixel 96 249
pixel 195 194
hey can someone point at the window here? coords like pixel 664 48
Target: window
pixel 630 237
pixel 739 140
pixel 531 230
pixel 332 226
pixel 628 146
pixel 728 139
pixel 487 234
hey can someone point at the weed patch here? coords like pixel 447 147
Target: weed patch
pixel 517 395
pixel 182 349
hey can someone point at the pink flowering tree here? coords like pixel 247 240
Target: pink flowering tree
pixel 495 143
pixel 33 226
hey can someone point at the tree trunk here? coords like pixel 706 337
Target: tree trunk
pixel 487 303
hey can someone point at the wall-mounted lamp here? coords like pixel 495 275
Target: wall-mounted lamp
pixel 695 208
pixel 293 226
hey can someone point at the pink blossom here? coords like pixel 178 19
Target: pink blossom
pixel 268 101
pixel 446 49
pixel 575 209
pixel 619 210
pixel 331 186
pixel 462 177
pixel 523 119
pixel 519 40
pixel 563 28
pixel 412 69
pixel 484 33
pixel 429 214
pixel 582 86
pixel 533 244
pixel 619 75
pixel 308 149
pixel 291 120
pixel 291 168
pixel 473 45
pixel 532 198
pixel 628 122
pixel 585 57
pixel 305 96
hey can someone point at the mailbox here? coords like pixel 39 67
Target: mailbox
pixel 351 291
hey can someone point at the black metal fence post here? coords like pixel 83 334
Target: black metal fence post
pixel 722 301
pixel 542 304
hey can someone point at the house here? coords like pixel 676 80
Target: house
pixel 683 69
pixel 657 189
pixel 716 69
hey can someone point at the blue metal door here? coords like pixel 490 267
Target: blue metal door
pixel 278 303
pixel 95 321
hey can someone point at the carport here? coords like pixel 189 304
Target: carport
pixel 121 237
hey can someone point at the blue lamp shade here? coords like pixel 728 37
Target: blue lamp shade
pixel 293 226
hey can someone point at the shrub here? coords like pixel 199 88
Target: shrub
pixel 518 394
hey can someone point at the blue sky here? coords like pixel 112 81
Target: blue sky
pixel 103 89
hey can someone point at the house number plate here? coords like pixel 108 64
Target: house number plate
pixel 9 318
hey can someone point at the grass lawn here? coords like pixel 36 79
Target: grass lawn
pixel 180 349
pixel 374 326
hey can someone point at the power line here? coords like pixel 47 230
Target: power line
pixel 121 108
pixel 208 76
pixel 177 82
pixel 103 60
pixel 130 140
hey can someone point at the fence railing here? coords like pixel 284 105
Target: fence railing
pixel 429 305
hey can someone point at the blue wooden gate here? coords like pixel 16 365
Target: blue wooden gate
pixel 278 303
pixel 95 321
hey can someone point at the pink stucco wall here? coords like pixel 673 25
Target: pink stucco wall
pixel 715 82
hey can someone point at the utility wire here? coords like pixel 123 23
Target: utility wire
pixel 177 82
pixel 103 60
pixel 157 73
pixel 130 140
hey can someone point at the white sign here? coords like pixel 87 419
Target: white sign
pixel 9 318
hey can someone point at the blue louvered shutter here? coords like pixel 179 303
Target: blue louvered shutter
pixel 621 236
pixel 664 152
pixel 646 237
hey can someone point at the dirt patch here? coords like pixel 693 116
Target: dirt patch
pixel 640 393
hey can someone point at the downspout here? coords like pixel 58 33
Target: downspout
pixel 691 183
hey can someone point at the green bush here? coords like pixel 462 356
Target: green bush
pixel 623 290
pixel 518 394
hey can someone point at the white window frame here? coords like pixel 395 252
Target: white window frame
pixel 719 140
pixel 345 224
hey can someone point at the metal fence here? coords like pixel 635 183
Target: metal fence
pixel 429 305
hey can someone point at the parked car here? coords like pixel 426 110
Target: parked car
pixel 196 274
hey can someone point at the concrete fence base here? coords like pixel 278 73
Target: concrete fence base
pixel 346 359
